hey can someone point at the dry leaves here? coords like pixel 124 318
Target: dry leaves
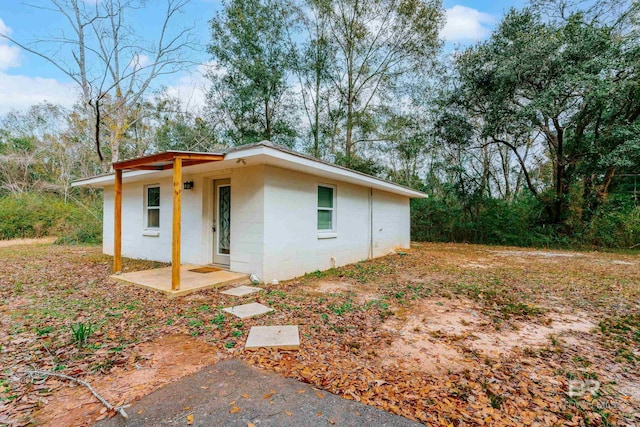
pixel 47 289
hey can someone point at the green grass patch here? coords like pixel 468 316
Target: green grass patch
pixel 622 333
pixel 44 330
pixel 343 308
pixel 520 309
pixel 80 333
pixel 219 319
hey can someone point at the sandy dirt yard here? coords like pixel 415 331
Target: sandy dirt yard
pixel 446 334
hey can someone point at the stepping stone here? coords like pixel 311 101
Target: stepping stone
pixel 245 311
pixel 280 337
pixel 241 291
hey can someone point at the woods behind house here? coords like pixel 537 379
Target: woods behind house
pixel 531 137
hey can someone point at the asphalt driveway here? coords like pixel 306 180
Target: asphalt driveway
pixel 232 393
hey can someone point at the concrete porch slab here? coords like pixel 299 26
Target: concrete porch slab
pixel 245 311
pixel 159 279
pixel 280 337
pixel 241 291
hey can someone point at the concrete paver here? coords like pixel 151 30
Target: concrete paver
pixel 241 291
pixel 245 311
pixel 280 337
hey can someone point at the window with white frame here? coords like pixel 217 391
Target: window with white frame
pixel 326 208
pixel 152 206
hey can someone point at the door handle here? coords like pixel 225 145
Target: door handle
pixel 214 229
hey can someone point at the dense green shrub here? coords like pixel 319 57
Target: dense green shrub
pixel 38 215
pixel 614 229
pixel 491 221
pixel 517 223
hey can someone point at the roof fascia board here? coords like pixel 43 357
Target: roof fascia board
pixel 338 173
pixel 107 180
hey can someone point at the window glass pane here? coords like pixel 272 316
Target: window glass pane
pixel 153 218
pixel 153 196
pixel 224 216
pixel 325 220
pixel 325 197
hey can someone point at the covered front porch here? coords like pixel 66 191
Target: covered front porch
pixel 192 278
pixel 178 279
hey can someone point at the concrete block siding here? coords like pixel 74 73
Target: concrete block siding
pixel 293 246
pixel 273 222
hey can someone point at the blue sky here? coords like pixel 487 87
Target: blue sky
pixel 26 79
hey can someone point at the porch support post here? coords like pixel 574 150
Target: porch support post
pixel 175 241
pixel 117 226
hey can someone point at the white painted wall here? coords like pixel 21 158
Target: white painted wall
pixel 155 244
pixel 292 246
pixel 107 221
pixel 247 220
pixel 273 222
pixel 391 222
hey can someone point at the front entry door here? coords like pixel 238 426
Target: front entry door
pixel 221 221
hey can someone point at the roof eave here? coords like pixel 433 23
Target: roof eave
pixel 262 148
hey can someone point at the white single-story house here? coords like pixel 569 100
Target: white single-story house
pixel 257 209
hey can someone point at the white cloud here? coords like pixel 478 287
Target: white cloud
pixel 139 61
pixel 18 92
pixel 9 55
pixel 21 92
pixel 191 88
pixel 3 28
pixel 464 23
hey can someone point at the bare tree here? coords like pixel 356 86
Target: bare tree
pixel 312 65
pixel 38 150
pixel 100 51
pixel 377 42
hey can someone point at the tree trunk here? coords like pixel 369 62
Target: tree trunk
pixel 560 203
pixel 316 108
pixel 350 75
pixel 267 120
pixel 603 189
pixel 349 141
pixel 484 182
pixel 593 198
pixel 587 198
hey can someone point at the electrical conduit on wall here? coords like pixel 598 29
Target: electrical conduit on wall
pixel 370 223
